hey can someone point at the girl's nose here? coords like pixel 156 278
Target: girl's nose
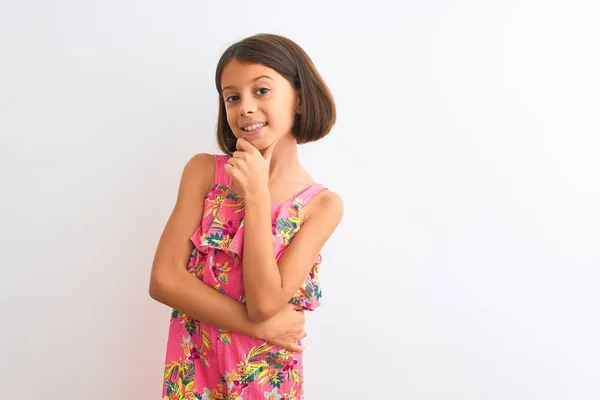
pixel 248 106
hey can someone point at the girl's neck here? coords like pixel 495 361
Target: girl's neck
pixel 285 162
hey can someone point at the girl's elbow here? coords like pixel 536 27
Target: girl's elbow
pixel 261 313
pixel 159 285
pixel 156 288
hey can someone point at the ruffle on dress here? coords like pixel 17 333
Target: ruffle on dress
pixel 218 230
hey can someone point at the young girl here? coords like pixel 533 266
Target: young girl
pixel 254 223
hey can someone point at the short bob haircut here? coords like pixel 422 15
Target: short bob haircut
pixel 291 61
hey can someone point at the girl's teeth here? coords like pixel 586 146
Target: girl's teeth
pixel 253 127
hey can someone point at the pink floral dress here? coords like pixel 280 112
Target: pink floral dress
pixel 204 362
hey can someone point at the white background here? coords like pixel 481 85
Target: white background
pixel 466 151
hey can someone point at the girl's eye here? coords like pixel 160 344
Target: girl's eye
pixel 263 91
pixel 260 92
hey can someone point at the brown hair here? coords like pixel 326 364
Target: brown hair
pixel 291 61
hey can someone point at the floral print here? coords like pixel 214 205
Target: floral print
pixel 204 362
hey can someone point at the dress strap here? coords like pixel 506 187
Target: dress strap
pixel 221 177
pixel 306 195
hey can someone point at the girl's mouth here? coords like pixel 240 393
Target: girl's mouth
pixel 254 128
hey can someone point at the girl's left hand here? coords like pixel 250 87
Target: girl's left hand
pixel 249 169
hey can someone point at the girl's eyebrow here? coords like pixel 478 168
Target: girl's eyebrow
pixel 253 80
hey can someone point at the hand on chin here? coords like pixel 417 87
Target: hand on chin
pixel 260 143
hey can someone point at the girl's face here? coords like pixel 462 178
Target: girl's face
pixel 260 103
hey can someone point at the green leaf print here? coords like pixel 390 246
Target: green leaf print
pixel 286 226
pixel 309 291
pixel 214 239
pixel 224 336
pixel 171 387
pixel 271 359
pixel 190 326
pixel 251 373
pixel 230 195
pixel 188 379
pixel 318 291
pixel 179 386
pixel 276 380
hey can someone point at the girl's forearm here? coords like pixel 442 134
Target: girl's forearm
pixel 184 292
pixel 262 279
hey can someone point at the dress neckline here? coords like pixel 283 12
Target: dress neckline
pixel 273 203
pixel 296 195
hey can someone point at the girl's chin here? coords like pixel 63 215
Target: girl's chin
pixel 260 143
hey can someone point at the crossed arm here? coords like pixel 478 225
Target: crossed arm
pixel 269 285
pixel 170 282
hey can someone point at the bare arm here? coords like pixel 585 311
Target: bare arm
pixel 269 285
pixel 170 282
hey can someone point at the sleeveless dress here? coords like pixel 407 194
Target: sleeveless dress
pixel 204 362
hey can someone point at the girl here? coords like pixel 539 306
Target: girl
pixel 254 223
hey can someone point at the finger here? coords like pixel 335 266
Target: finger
pixel 240 155
pixel 233 162
pixel 244 145
pixel 268 154
pixel 228 169
pixel 296 348
pixel 231 171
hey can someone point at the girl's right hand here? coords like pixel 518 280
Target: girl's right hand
pixel 285 328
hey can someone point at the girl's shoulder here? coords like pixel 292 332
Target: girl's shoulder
pixel 324 203
pixel 207 164
pixel 200 171
pixel 201 162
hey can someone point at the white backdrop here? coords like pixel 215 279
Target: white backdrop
pixel 466 151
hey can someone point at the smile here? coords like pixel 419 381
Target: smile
pixel 254 128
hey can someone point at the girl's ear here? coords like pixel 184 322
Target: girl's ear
pixel 299 102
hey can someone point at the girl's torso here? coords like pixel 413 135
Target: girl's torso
pixel 218 241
